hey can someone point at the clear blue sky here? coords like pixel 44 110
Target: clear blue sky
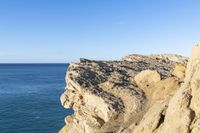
pixel 65 30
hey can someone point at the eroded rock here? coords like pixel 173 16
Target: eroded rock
pixel 179 71
pixel 146 78
pixel 138 94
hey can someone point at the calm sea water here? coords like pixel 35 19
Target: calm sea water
pixel 30 98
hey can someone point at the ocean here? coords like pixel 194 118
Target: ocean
pixel 30 98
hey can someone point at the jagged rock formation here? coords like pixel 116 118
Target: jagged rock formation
pixel 138 94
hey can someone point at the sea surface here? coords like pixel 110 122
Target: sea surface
pixel 30 98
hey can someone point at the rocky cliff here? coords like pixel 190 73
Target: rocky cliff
pixel 138 94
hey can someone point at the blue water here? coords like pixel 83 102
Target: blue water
pixel 30 98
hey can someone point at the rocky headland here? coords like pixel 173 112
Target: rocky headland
pixel 137 94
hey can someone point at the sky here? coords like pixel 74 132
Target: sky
pixel 61 31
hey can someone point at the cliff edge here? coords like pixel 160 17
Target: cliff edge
pixel 137 94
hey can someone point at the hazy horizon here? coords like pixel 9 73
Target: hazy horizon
pixel 50 31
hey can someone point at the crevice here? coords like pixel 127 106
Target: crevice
pixel 192 113
pixel 192 116
pixel 161 120
pixel 100 121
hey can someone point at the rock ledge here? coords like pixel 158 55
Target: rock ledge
pixel 137 94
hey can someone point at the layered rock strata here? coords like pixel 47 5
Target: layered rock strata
pixel 138 94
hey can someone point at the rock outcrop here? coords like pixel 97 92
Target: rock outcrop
pixel 138 94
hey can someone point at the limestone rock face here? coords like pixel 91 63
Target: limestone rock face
pixel 179 71
pixel 138 94
pixel 146 78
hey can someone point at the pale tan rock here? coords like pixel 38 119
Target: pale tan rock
pixel 173 57
pixel 179 71
pixel 68 119
pixel 195 127
pixel 193 79
pixel 152 119
pixel 126 96
pixel 195 53
pixel 184 106
pixel 164 89
pixel 158 96
pixel 178 115
pixel 146 78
